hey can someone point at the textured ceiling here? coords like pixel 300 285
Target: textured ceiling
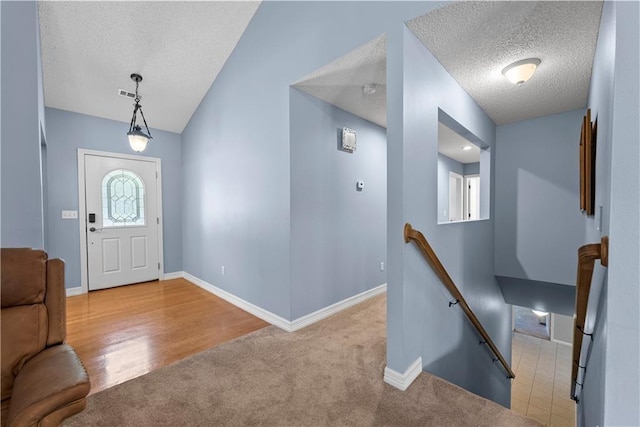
pixel 341 82
pixel 450 144
pixel 90 48
pixel 474 41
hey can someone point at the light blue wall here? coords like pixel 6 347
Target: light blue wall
pixel 538 198
pixel 420 323
pixel 42 132
pixel 543 296
pixel 338 234
pixel 237 148
pixel 471 168
pixel 446 165
pixel 45 193
pixel 39 75
pixel 22 210
pixel 69 131
pixel 486 183
pixel 622 382
pixel 611 394
pixel 591 408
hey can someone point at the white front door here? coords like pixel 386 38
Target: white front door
pixel 122 221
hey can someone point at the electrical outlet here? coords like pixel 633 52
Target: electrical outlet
pixel 222 270
pixel 382 266
pixel 69 214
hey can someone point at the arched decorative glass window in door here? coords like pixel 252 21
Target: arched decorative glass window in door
pixel 122 199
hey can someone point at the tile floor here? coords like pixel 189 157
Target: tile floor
pixel 541 388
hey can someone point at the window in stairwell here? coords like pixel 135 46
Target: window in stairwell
pixel 464 164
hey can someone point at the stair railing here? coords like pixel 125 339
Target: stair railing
pixel 431 257
pixel 587 256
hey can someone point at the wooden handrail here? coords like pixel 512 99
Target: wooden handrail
pixel 587 256
pixel 431 257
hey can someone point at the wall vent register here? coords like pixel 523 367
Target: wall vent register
pixel 127 94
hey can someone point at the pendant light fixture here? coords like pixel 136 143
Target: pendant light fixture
pixel 137 138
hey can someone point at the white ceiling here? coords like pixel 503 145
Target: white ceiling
pixel 474 41
pixel 90 48
pixel 341 82
pixel 450 144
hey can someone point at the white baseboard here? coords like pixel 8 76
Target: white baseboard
pixel 308 319
pixel 403 381
pixel 71 292
pixel 263 314
pixel 174 275
pixel 274 319
pixel 561 342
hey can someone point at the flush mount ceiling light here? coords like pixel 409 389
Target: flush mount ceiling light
pixel 540 313
pixel 369 88
pixel 137 138
pixel 467 147
pixel 521 71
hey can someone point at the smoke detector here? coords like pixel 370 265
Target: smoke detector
pixel 369 88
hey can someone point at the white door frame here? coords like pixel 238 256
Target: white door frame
pixel 465 191
pixel 459 200
pixel 82 216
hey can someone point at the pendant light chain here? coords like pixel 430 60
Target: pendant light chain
pixel 145 124
pixel 141 112
pixel 133 118
pixel 137 107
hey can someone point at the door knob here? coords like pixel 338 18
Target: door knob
pixel 93 229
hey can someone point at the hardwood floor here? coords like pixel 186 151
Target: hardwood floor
pixel 125 332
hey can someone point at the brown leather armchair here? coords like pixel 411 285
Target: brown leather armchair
pixel 43 380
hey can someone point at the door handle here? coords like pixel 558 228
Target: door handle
pixel 93 229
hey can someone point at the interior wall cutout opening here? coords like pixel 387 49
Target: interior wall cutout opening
pixel 464 173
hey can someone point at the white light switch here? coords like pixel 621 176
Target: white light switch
pixel 69 214
pixel 598 218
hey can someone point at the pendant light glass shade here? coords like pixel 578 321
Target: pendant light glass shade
pixel 521 71
pixel 137 139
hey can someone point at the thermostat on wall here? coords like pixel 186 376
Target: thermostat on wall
pixel 349 140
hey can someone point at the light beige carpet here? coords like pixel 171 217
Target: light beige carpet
pixel 329 373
